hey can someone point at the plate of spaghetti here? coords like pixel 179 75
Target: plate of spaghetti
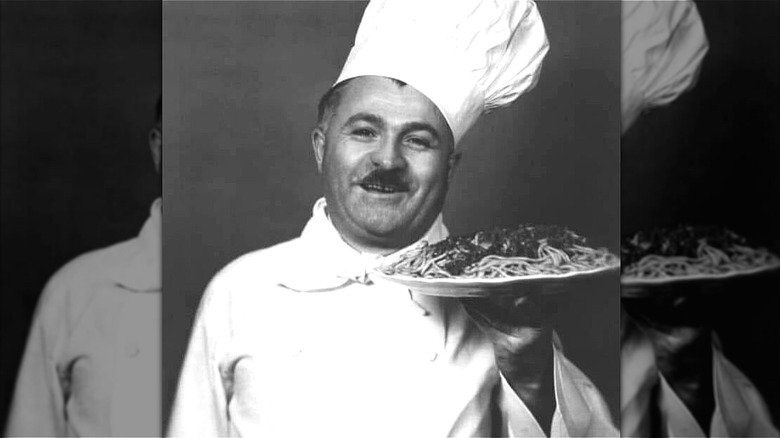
pixel 687 253
pixel 542 257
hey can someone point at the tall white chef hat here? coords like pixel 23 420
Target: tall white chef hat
pixel 466 56
pixel 663 45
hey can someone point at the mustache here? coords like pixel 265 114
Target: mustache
pixel 385 178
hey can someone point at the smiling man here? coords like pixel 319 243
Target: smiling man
pixel 296 339
pixel 386 154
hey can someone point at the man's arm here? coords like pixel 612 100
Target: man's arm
pixel 524 356
pixel 38 406
pixel 526 365
pixel 536 379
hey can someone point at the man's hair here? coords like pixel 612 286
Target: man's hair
pixel 331 99
pixel 158 110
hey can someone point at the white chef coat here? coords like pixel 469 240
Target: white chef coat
pixel 739 409
pixel 295 340
pixel 92 362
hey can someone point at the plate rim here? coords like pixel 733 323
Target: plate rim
pixel 490 282
pixel 624 281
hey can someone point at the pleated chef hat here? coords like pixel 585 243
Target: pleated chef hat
pixel 466 56
pixel 663 45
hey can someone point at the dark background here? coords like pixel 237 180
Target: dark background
pixel 78 85
pixel 713 156
pixel 242 80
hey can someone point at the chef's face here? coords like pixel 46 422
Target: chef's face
pixel 385 154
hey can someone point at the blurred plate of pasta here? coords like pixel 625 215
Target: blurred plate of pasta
pixel 687 258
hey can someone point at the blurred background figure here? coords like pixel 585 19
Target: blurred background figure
pixel 676 380
pixel 92 363
pixel 80 81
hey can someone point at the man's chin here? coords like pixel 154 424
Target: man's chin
pixel 381 228
pixel 385 230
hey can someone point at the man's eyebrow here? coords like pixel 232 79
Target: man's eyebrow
pixel 366 117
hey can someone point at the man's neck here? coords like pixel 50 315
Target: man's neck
pixel 367 248
pixel 377 247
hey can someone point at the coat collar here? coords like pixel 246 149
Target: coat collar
pixel 141 268
pixel 327 262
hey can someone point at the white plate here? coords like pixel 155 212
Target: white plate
pixel 475 287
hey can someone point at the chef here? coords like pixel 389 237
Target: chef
pixel 298 340
pixel 92 362
pixel 675 380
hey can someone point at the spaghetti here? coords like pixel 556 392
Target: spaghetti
pixel 503 253
pixel 688 251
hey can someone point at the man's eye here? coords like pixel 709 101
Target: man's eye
pixel 417 141
pixel 364 132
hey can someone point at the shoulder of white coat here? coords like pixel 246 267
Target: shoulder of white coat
pixel 249 278
pixel 93 266
pixel 74 284
pixel 257 268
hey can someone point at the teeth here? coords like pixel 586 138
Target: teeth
pixel 382 189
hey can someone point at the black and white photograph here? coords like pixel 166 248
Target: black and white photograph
pixel 81 139
pixel 699 182
pixel 436 218
pixel 391 218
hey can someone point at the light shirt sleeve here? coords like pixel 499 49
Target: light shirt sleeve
pixel 38 405
pixel 200 407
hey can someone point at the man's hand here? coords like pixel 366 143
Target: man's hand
pixel 519 328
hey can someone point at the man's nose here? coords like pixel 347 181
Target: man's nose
pixel 388 154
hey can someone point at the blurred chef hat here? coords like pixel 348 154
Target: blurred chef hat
pixel 466 56
pixel 663 47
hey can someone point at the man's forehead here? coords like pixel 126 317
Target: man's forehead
pixel 384 97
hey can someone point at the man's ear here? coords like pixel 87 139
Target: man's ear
pixel 155 145
pixel 318 144
pixel 454 160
